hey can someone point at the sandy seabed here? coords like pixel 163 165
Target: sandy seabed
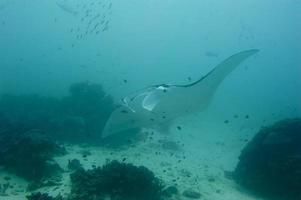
pixel 192 156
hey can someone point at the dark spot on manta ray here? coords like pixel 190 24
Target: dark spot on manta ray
pixel 124 111
pixel 226 121
pixel 247 116
pixel 125 81
pixel 189 78
pixel 179 128
pixel 152 119
pixel 164 90
pixel 235 116
pixel 164 117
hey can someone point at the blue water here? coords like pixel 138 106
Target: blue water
pixel 126 45
pixel 151 42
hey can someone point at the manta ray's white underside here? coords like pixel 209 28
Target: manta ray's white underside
pixel 161 103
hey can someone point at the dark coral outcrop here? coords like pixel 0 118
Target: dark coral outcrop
pixel 78 117
pixel 117 180
pixel 29 154
pixel 89 105
pixel 270 164
pixel 42 196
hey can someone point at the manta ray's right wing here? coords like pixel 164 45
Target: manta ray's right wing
pixel 202 90
pixel 220 72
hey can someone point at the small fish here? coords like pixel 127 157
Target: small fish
pixel 96 25
pixel 211 54
pixel 105 28
pixel 110 6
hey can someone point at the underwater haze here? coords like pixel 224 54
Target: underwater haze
pixel 65 65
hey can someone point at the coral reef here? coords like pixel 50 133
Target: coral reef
pixel 270 164
pixel 42 196
pixel 28 111
pixel 3 189
pixel 28 154
pixel 90 105
pixel 78 117
pixel 191 194
pixel 115 181
pixel 74 164
pixel 118 181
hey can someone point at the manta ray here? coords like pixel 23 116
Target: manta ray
pixel 163 103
